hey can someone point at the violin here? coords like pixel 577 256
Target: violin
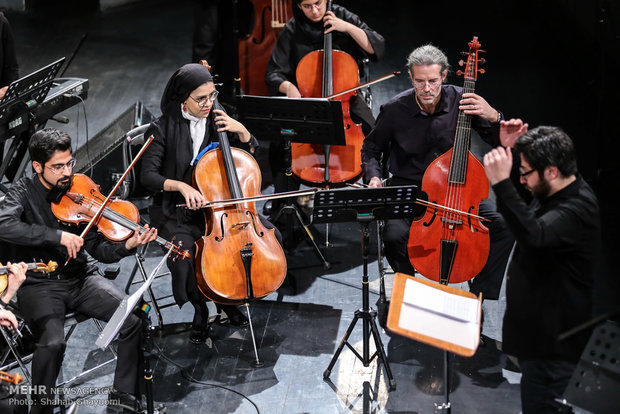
pixel 237 260
pixel 118 220
pixel 11 379
pixel 270 16
pixel 449 243
pixel 50 267
pixel 318 74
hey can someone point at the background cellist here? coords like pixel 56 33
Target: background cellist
pixel 187 127
pixel 417 126
pixel 303 34
pixel 26 220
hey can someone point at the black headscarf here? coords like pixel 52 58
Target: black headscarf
pixel 312 30
pixel 182 83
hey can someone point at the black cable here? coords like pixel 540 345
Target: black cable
pixel 188 377
pixel 90 162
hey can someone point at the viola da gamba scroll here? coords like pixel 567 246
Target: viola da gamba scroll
pixel 446 245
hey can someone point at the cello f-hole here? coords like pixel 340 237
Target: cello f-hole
pixel 471 225
pixel 219 239
pixel 259 234
pixel 432 218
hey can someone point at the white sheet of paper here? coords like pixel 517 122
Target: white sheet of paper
pixel 428 311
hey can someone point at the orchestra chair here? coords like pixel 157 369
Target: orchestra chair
pixel 137 195
pixel 15 345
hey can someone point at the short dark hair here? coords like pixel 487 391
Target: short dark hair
pixel 44 143
pixel 547 146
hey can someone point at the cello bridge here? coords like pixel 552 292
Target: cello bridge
pixel 451 223
pixel 241 225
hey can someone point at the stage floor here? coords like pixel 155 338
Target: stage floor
pixel 128 55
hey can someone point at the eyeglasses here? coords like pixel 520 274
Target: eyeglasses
pixel 525 174
pixel 202 100
pixel 58 168
pixel 433 83
pixel 316 5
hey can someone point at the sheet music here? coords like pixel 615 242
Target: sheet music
pixel 453 306
pixel 125 308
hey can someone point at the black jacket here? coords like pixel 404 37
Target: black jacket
pixel 550 278
pixel 27 221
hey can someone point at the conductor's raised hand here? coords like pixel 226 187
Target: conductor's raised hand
pixel 510 130
pixel 497 164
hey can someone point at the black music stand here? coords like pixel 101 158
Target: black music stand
pixel 304 120
pixel 594 384
pixel 364 206
pixel 22 95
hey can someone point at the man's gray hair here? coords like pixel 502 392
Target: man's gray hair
pixel 428 55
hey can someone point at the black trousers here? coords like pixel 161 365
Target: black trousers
pixel 44 304
pixel 184 284
pixel 488 281
pixel 542 381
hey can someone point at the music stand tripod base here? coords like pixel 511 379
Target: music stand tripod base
pixel 364 206
pixel 291 208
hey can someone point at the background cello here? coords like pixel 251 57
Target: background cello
pixel 446 245
pixel 255 48
pixel 319 74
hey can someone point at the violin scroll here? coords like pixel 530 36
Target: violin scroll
pixel 50 267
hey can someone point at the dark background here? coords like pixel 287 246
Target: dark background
pixel 549 62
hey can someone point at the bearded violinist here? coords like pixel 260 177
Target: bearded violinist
pixel 26 220
pixel 303 34
pixel 418 125
pixel 187 128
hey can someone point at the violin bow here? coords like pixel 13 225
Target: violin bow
pixel 257 198
pixel 99 212
pixel 431 204
pixel 362 85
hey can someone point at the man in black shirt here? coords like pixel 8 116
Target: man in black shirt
pixel 26 220
pixel 550 277
pixel 413 129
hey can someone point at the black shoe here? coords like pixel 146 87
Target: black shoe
pixel 267 208
pixel 235 317
pixel 199 334
pixel 119 401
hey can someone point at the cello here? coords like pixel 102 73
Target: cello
pixel 318 74
pixel 238 260
pixel 450 244
pixel 270 16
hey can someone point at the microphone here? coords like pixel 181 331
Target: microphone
pixel 61 118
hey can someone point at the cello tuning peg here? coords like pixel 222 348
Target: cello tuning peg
pixel 482 51
pixel 461 62
pixel 459 73
pixel 464 54
pixel 482 61
pixel 481 71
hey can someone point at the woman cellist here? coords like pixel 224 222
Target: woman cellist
pixel 187 127
pixel 304 34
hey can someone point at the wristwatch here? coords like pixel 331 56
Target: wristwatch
pixel 500 116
